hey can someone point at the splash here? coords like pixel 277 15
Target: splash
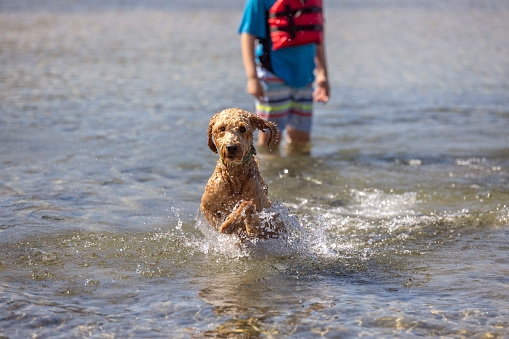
pixel 378 204
pixel 303 238
pixel 370 226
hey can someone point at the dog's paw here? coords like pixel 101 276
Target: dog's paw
pixel 232 224
pixel 237 221
pixel 251 228
pixel 252 221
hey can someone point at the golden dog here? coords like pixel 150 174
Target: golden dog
pixel 236 192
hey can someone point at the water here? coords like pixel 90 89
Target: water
pixel 403 203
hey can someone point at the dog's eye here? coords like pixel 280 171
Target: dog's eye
pixel 242 129
pixel 222 129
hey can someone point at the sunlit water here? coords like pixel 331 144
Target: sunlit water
pixel 403 204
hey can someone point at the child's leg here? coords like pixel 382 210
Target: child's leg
pixel 294 135
pixel 300 119
pixel 276 104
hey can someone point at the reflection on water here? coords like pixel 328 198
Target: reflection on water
pixel 402 204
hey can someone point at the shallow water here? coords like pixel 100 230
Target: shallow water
pixel 403 205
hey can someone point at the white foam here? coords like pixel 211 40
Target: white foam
pixel 304 238
pixel 377 204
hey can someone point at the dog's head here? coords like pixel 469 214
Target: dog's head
pixel 231 131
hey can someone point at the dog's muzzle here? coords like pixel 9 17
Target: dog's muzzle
pixel 232 150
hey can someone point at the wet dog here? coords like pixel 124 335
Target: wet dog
pixel 236 194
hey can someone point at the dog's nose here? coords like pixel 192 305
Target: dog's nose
pixel 232 149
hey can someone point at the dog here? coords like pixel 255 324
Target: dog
pixel 236 194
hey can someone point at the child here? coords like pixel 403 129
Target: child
pixel 281 79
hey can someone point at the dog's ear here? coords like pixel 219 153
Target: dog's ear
pixel 212 146
pixel 262 124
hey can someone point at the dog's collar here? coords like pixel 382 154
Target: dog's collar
pixel 252 152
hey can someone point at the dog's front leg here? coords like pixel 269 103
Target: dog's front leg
pixel 252 221
pixel 244 218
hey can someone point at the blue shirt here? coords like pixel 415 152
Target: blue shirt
pixel 295 65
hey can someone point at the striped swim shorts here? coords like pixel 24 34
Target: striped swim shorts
pixel 285 105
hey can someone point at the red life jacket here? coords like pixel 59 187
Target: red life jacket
pixel 295 23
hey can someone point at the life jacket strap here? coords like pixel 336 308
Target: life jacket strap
pixel 293 29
